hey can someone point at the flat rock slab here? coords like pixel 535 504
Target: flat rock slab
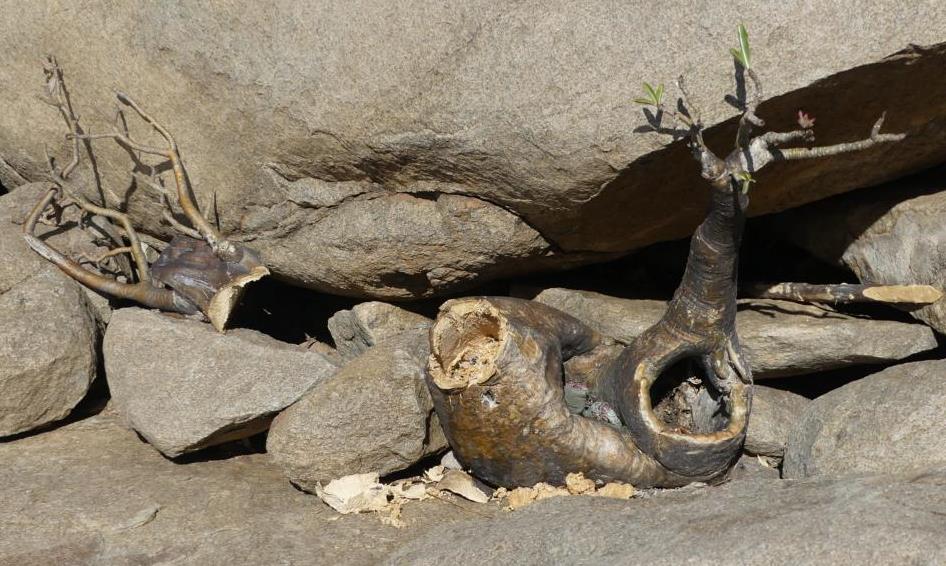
pixel 892 234
pixel 436 145
pixel 875 520
pixel 374 415
pixel 782 338
pixel 887 422
pixel 93 493
pixel 184 386
pixel 367 324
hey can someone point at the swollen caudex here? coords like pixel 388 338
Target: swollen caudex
pixel 465 344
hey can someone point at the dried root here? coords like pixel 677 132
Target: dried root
pixel 199 272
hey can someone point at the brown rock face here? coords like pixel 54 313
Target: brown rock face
pixel 488 139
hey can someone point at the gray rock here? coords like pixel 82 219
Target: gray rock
pixel 47 344
pixel 436 145
pixel 774 414
pixel 888 422
pixel 893 234
pixel 47 333
pixel 374 415
pixel 367 324
pixel 184 386
pixel 873 520
pixel 781 338
pixel 92 493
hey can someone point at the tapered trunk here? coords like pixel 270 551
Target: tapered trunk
pixel 699 325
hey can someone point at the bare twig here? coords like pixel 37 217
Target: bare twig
pixel 843 293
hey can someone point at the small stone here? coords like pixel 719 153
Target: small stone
pixel 368 324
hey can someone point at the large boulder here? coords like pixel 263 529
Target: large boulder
pixel 184 386
pixel 892 234
pixel 92 493
pixel 781 338
pixel 374 415
pixel 875 520
pixel 48 333
pixel 888 422
pixel 401 152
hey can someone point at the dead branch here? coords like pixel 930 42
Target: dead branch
pixel 844 293
pixel 200 272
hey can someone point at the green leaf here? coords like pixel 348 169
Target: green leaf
pixel 660 93
pixel 644 101
pixel 651 93
pixel 746 179
pixel 743 54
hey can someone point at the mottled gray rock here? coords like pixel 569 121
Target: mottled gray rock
pixel 47 348
pixel 184 386
pixel 774 413
pixel 92 493
pixel 47 335
pixel 367 324
pixel 781 338
pixel 874 520
pixel 437 144
pixel 374 415
pixel 893 234
pixel 890 421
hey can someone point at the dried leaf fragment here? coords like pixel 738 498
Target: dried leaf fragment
pixel 356 493
pixel 462 484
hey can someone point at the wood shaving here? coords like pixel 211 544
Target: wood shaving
pixel 575 484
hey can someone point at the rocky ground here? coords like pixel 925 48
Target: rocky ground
pixel 486 154
pixel 181 445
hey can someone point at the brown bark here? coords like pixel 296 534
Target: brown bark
pixel 495 374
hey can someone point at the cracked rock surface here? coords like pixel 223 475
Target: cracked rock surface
pixel 490 139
